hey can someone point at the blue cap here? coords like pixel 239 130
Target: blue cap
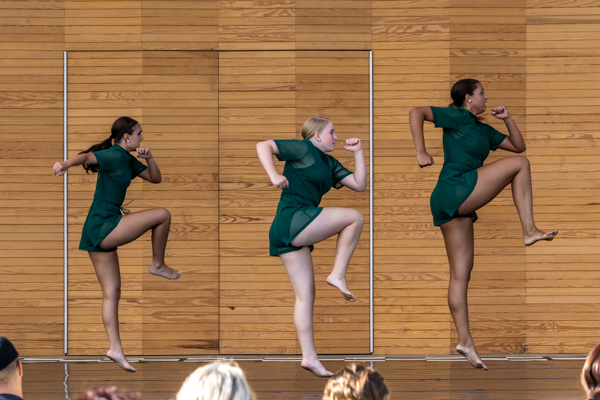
pixel 8 353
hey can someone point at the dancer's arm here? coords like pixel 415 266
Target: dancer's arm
pixel 358 180
pixel 60 167
pixel 416 117
pixel 152 173
pixel 266 150
pixel 514 142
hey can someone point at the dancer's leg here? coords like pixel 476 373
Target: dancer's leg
pixel 299 267
pixel 458 237
pixel 107 270
pixel 134 225
pixel 494 177
pixel 348 224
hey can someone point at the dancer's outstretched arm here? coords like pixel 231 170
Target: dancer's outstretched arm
pixel 416 117
pixel 266 150
pixel 60 167
pixel 514 142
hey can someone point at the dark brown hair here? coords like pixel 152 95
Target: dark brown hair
pixel 356 382
pixel 119 128
pixel 590 376
pixel 460 89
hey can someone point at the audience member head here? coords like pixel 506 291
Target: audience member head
pixel 356 382
pixel 590 376
pixel 108 393
pixel 220 380
pixel 11 369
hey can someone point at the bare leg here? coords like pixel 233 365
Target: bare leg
pixel 458 237
pixel 348 224
pixel 107 270
pixel 494 177
pixel 134 225
pixel 299 267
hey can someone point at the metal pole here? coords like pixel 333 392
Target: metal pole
pixel 65 244
pixel 371 198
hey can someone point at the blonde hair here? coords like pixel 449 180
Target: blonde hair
pixel 312 125
pixel 590 375
pixel 356 382
pixel 220 380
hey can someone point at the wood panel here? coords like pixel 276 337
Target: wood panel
pixel 256 102
pixel 497 293
pixel 266 95
pixel 180 112
pixel 103 25
pixel 562 126
pixel 257 25
pixel 174 96
pixel 180 25
pixel 339 25
pixel 102 86
pixel 411 68
pixel 335 84
pixel 31 223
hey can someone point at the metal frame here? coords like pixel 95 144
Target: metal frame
pixel 65 211
pixel 371 328
pixel 65 244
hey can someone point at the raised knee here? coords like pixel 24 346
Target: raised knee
pixel 523 162
pixel 165 215
pixel 358 218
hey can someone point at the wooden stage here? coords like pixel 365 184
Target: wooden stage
pixel 271 377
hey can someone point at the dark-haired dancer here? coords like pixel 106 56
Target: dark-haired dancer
pixel 105 228
pixel 308 174
pixel 465 185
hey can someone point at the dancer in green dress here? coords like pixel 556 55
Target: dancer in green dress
pixel 105 228
pixel 308 174
pixel 465 185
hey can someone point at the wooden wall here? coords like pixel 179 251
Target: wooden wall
pixel 232 72
pixel 31 131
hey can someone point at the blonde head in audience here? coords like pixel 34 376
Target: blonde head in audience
pixel 216 381
pixel 356 382
pixel 590 376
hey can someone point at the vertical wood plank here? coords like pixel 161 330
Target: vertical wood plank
pixel 180 101
pixel 31 218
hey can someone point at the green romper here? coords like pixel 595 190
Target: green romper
pixel 116 169
pixel 467 143
pixel 310 173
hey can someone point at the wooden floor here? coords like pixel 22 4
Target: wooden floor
pixel 414 379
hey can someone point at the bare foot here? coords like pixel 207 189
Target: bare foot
pixel 340 284
pixel 120 360
pixel 472 357
pixel 164 271
pixel 539 235
pixel 317 369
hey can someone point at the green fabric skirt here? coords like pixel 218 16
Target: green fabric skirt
pixel 454 186
pixel 101 220
pixel 290 220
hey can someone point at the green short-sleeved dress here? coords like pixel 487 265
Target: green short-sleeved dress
pixel 467 143
pixel 310 173
pixel 116 169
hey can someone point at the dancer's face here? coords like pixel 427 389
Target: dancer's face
pixel 478 100
pixel 135 138
pixel 328 138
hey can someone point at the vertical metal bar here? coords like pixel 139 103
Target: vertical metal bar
pixel 65 244
pixel 371 198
